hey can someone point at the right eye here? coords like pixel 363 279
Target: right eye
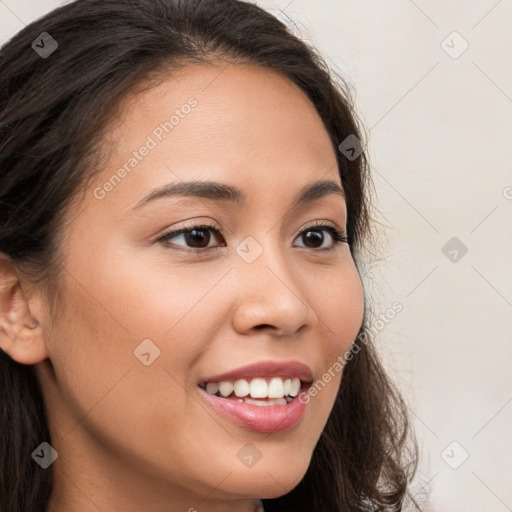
pixel 197 236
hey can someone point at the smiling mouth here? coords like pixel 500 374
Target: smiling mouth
pixel 258 391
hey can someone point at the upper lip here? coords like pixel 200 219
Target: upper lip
pixel 287 369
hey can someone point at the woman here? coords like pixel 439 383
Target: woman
pixel 184 201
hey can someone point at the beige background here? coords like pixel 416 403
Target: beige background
pixel 440 124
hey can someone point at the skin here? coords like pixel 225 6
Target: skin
pixel 132 437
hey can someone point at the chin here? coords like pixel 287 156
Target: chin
pixel 267 480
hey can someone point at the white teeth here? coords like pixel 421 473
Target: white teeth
pixel 274 388
pixel 258 388
pixel 225 388
pixel 295 387
pixel 261 403
pixel 212 387
pixel 287 386
pixel 241 388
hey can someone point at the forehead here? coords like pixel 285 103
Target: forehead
pixel 240 124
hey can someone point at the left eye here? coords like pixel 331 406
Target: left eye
pixel 197 238
pixel 313 233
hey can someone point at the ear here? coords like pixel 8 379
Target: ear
pixel 21 334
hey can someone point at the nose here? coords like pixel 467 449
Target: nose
pixel 270 297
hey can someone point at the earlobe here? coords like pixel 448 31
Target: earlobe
pixel 21 335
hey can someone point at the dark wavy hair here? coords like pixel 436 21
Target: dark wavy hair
pixel 53 114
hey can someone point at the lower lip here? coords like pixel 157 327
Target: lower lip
pixel 266 418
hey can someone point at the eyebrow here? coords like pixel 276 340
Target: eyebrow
pixel 216 191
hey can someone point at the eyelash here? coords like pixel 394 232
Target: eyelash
pixel 337 236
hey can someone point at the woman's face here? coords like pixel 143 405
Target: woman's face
pixel 146 320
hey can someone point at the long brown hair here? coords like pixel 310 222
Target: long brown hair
pixel 52 112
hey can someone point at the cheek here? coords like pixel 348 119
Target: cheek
pixel 107 313
pixel 136 410
pixel 339 306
